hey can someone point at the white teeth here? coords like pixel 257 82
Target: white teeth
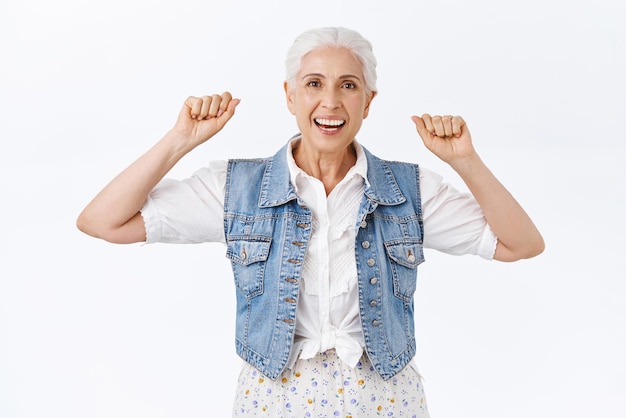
pixel 330 122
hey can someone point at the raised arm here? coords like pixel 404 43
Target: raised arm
pixel 113 214
pixel 449 139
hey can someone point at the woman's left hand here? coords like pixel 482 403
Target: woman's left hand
pixel 445 136
pixel 449 139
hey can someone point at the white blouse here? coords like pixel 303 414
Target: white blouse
pixel 191 211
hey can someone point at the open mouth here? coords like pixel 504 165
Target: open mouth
pixel 329 125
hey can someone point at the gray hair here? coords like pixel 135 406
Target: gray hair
pixel 332 37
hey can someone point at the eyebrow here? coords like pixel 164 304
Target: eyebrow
pixel 323 76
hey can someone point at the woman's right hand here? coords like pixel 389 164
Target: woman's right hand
pixel 114 214
pixel 202 117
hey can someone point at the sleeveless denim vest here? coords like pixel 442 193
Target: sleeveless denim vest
pixel 267 229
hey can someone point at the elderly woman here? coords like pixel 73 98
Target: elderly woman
pixel 324 238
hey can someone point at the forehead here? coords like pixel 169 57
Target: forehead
pixel 331 61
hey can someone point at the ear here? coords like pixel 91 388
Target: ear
pixel 368 101
pixel 289 94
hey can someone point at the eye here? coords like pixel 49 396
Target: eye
pixel 349 85
pixel 313 83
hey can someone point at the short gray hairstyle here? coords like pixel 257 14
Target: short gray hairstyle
pixel 332 37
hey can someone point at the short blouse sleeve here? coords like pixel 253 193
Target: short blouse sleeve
pixel 187 211
pixel 453 221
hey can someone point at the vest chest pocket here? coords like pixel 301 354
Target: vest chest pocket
pixel 248 255
pixel 404 256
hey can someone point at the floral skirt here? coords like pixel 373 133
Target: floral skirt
pixel 325 387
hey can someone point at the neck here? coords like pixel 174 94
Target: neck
pixel 329 168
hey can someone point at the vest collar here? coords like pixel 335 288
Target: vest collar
pixel 381 186
pixel 276 189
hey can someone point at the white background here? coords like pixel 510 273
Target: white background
pixel 90 329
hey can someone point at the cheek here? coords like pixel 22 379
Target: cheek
pixel 303 104
pixel 359 107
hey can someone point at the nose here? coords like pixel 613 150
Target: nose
pixel 331 98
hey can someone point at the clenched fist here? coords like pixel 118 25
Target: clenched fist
pixel 202 117
pixel 445 136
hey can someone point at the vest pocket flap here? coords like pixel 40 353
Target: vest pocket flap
pixel 406 252
pixel 248 249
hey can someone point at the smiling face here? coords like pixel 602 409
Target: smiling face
pixel 329 99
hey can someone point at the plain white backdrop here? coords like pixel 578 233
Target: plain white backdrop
pixel 94 330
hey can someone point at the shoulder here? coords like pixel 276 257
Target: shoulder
pixel 246 166
pixel 376 163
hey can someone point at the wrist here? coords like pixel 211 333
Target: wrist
pixel 467 164
pixel 177 143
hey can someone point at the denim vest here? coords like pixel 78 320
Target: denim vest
pixel 267 230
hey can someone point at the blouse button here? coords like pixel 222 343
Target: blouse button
pixel 365 244
pixel 374 280
pixel 373 303
pixel 363 224
pixel 375 322
pixel 371 262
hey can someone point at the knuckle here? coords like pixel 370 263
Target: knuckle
pixel 205 101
